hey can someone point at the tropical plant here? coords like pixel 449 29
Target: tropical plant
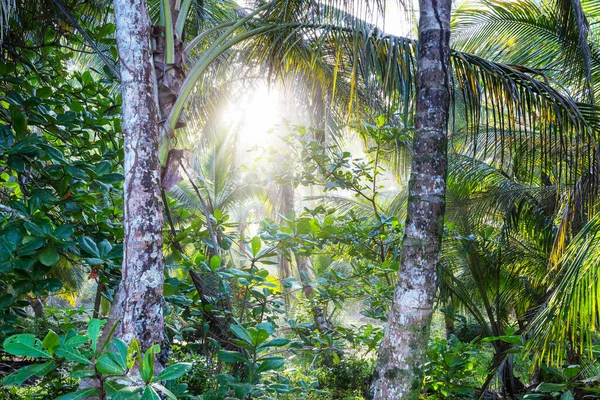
pixel 79 356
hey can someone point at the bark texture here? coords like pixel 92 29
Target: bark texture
pixel 398 372
pixel 139 300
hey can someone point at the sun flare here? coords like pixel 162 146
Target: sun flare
pixel 255 114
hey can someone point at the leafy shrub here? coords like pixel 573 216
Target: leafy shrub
pixel 450 371
pixel 200 377
pixel 74 356
pixel 566 383
pixel 349 379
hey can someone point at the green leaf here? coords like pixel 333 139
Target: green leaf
pixel 147 370
pixel 49 285
pixel 173 372
pixel 269 364
pixel 53 153
pixel 133 352
pixel 83 373
pixel 25 345
pixel 49 256
pixel 231 356
pixel 78 395
pixel 63 231
pixel 51 341
pixel 165 391
pixel 6 301
pixel 275 343
pixel 34 229
pixel 89 246
pixel 22 374
pixel 215 262
pixel 106 365
pixel 94 328
pixel 71 353
pixel 18 119
pixel 568 395
pixel 242 333
pixel 551 387
pixel 31 246
pixel 44 92
pixel 16 163
pixel 150 394
pixel 256 245
pixel 119 352
pixel 571 371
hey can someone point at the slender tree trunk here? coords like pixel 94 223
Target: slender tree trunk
pixel 139 300
pixel 398 372
pixel 97 299
pixel 286 207
pixel 318 311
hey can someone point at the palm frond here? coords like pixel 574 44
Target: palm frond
pixel 571 314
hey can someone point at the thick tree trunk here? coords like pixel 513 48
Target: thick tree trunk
pixel 139 301
pixel 398 372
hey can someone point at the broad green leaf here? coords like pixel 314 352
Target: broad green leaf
pixel 231 356
pixel 150 394
pixel 173 372
pixel 133 352
pixel 94 329
pixel 6 301
pixel 258 336
pixel 241 389
pixel 25 345
pixel 215 262
pixel 256 245
pixel 44 92
pixel 269 364
pixel 147 367
pixel 63 231
pixel 89 246
pixel 571 371
pixel 34 229
pixel 72 354
pixel 76 340
pixel 242 333
pixel 568 395
pixel 51 341
pixel 275 343
pixel 83 373
pixel 119 352
pixel 164 390
pixel 106 365
pixel 551 387
pixel 49 256
pixel 22 374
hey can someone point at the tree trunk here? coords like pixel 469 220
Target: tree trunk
pixel 318 311
pixel 398 372
pixel 139 300
pixel 285 209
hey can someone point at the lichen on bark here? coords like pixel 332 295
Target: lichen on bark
pixel 139 302
pixel 398 373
